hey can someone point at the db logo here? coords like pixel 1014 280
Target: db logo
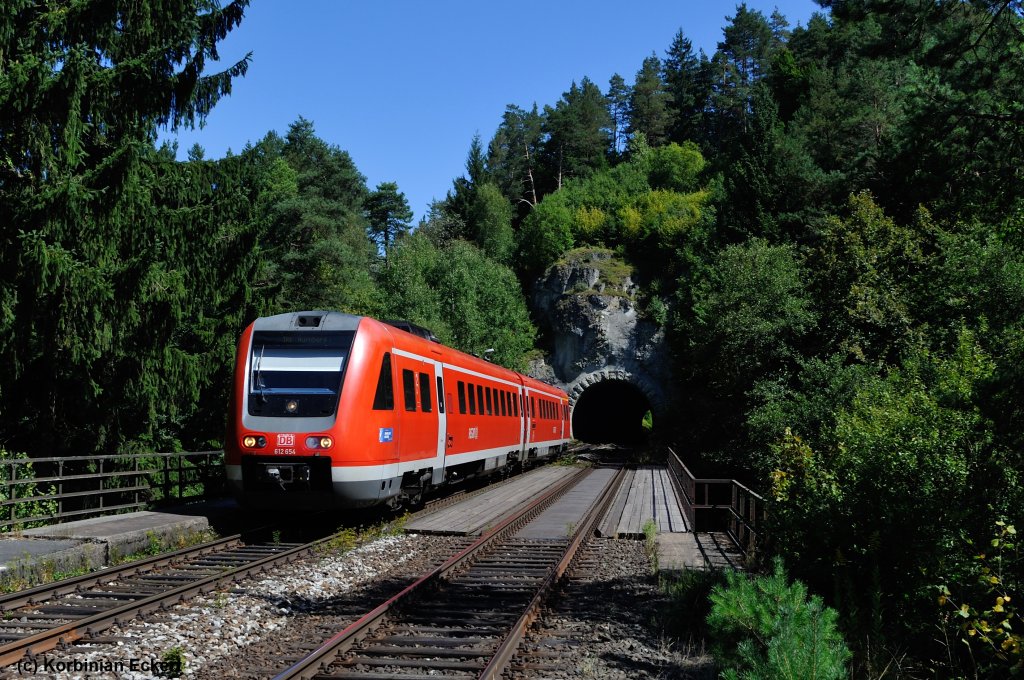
pixel 286 440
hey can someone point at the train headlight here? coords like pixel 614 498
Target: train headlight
pixel 319 442
pixel 249 442
pixel 291 406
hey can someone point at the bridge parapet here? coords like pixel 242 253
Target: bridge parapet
pixel 720 504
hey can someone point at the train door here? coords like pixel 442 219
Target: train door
pixel 561 416
pixel 444 439
pixel 531 410
pixel 417 404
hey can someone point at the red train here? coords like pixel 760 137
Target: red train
pixel 330 409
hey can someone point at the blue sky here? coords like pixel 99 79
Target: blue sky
pixel 403 85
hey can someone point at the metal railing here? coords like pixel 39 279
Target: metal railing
pixel 719 505
pixel 37 491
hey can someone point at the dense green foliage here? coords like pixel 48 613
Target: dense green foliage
pixel 828 220
pixel 127 276
pixel 122 272
pixel 833 214
pixel 467 299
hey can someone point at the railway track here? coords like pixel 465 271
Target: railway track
pixel 42 618
pixel 80 608
pixel 466 617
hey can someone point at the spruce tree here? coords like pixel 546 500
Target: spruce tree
pixel 112 256
pixel 687 79
pixel 649 104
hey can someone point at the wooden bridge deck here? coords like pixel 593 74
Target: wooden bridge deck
pixel 646 495
pixel 473 515
pixel 699 551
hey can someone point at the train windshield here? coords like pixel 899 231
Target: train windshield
pixel 297 374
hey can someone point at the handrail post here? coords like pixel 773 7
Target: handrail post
pixel 11 493
pixel 60 488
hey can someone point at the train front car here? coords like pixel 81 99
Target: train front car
pixel 299 384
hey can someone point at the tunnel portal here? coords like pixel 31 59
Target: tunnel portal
pixel 610 411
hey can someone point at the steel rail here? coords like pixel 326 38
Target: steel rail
pixel 507 649
pixel 312 664
pixel 49 591
pixel 69 632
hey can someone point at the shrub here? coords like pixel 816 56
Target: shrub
pixel 766 627
pixel 24 473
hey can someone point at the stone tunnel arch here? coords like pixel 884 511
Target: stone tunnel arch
pixel 609 407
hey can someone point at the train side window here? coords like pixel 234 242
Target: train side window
pixel 504 402
pixel 515 405
pixel 487 391
pixel 384 399
pixel 462 397
pixel 425 400
pixel 409 388
pixel 480 398
pixel 440 395
pixel 533 407
pixel 472 400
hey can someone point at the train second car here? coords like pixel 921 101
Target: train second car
pixel 335 410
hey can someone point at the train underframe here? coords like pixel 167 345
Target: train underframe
pixel 310 482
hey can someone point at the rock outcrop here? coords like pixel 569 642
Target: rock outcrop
pixel 588 305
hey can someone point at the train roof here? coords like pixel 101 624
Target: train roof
pixel 340 321
pixel 319 319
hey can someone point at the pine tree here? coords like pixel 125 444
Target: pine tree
pixel 321 251
pixel 618 109
pixel 578 130
pixel 388 214
pixel 514 155
pixel 741 61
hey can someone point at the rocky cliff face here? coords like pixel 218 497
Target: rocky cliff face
pixel 587 303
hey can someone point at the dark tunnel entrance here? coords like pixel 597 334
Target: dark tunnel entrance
pixel 611 411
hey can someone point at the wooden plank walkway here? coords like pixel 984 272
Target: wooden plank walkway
pixel 561 518
pixel 697 551
pixel 474 515
pixel 647 495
